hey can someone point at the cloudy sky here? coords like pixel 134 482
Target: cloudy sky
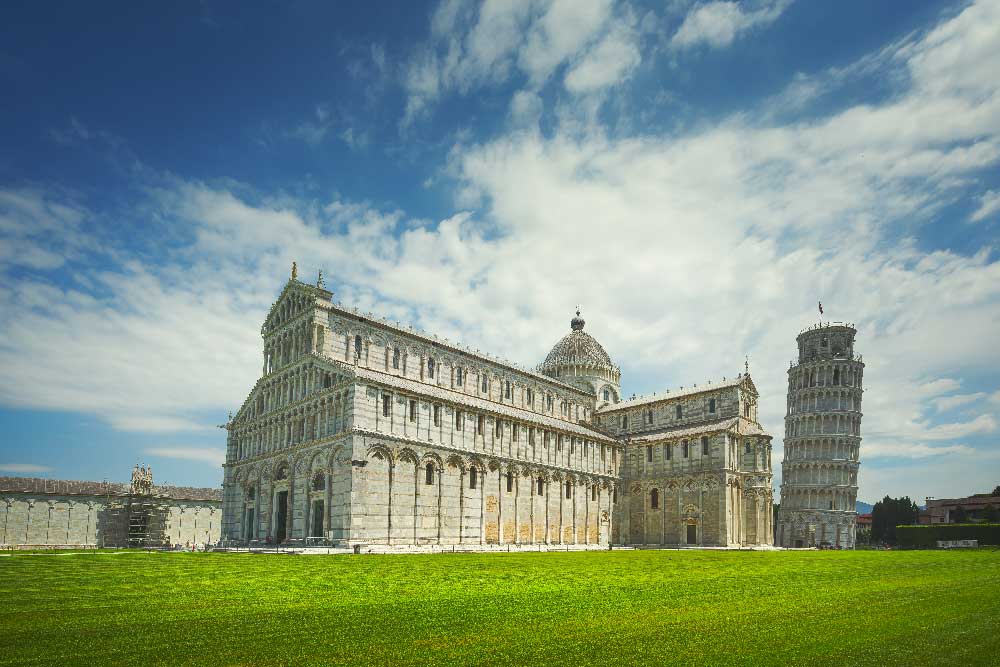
pixel 696 175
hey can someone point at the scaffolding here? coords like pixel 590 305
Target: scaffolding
pixel 135 521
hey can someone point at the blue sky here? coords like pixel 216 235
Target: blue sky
pixel 695 174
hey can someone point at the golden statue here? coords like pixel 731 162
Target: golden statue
pixel 295 271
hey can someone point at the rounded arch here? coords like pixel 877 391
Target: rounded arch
pixel 456 461
pixel 407 455
pixel 432 457
pixel 380 451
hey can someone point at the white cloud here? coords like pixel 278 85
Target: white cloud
pixel 23 468
pixel 525 109
pixel 608 63
pixel 717 24
pixel 212 455
pixel 981 424
pixel 875 449
pixel 958 400
pixel 472 48
pixel 989 204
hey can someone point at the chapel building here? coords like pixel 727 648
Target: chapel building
pixel 361 431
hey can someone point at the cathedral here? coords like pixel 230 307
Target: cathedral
pixel 364 432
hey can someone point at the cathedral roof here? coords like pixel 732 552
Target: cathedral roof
pixel 735 424
pixel 578 347
pixel 739 380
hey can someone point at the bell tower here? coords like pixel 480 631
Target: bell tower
pixel 819 474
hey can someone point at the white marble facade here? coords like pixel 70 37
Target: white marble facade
pixel 363 431
pixel 819 484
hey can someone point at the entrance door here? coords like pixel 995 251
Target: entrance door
pixel 798 544
pixel 249 530
pixel 317 527
pixel 280 516
pixel 692 534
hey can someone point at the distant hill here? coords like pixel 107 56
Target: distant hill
pixel 862 508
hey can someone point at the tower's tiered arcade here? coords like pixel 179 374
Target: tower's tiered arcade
pixel 822 436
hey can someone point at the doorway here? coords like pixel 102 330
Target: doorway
pixel 692 535
pixel 280 516
pixel 317 519
pixel 248 526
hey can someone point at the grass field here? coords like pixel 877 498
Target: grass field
pixel 606 608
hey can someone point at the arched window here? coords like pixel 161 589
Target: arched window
pixel 430 367
pixel 357 347
pixel 319 482
pixel 429 474
pixel 251 493
pixel 483 386
pixel 684 445
pixel 510 482
pixel 678 412
pixel 624 421
pixel 506 389
pixel 711 405
pixel 836 376
pixel 649 416
pixel 654 499
pixel 540 484
pixel 459 377
pixel 704 445
pixel 473 475
pixel 395 357
pixel 649 453
pixel 569 490
pixel 593 492
pixel 668 451
pixel 607 394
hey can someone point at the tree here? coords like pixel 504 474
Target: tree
pixel 996 491
pixel 959 515
pixel 889 513
pixel 991 515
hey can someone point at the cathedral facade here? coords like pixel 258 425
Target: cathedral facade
pixel 361 431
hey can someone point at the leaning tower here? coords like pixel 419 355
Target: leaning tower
pixel 819 474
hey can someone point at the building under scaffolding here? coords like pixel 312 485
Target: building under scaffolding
pixel 47 513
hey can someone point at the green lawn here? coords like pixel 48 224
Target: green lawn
pixel 617 608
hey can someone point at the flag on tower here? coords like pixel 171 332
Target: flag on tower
pixel 820 307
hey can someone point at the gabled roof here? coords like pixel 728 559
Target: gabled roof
pixel 736 424
pixel 740 380
pixel 320 295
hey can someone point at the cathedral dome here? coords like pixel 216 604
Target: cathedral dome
pixel 580 360
pixel 578 347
